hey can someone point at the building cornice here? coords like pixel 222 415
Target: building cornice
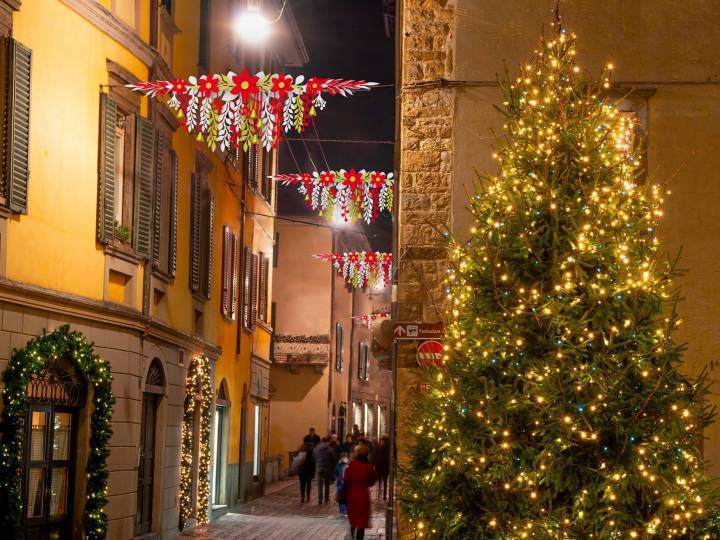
pixel 107 22
pixel 98 311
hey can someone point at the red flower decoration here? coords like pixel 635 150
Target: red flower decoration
pixel 208 85
pixel 327 178
pixel 371 258
pixel 387 258
pixel 314 86
pixel 377 179
pixel 282 85
pixel 353 257
pixel 179 86
pixel 245 85
pixel 353 179
pixel 306 178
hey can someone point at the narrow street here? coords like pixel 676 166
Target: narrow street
pixel 280 516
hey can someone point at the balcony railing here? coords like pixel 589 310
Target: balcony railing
pixel 299 351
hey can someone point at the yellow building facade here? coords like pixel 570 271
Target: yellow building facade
pixel 116 222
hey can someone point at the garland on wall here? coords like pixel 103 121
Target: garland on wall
pixel 233 111
pixel 368 319
pixel 344 195
pixel 362 268
pixel 196 384
pixel 32 360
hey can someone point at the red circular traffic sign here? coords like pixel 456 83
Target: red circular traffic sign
pixel 430 353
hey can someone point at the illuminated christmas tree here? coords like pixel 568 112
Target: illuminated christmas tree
pixel 560 412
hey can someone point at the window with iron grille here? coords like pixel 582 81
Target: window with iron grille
pixel 229 273
pixel 363 361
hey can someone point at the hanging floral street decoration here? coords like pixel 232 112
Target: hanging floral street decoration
pixel 368 319
pixel 30 363
pixel 344 195
pixel 362 268
pixel 197 385
pixel 232 111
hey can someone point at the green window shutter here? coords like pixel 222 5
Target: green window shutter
pixel 210 216
pixel 17 136
pixel 144 174
pixel 227 259
pixel 195 221
pixel 172 244
pixel 157 200
pixel 106 174
pixel 234 270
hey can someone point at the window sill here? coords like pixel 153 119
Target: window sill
pixel 162 275
pixel 265 326
pixel 122 251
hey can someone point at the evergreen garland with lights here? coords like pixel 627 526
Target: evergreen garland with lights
pixel 32 359
pixel 197 385
pixel 559 411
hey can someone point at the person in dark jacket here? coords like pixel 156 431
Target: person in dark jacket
pixel 358 479
pixel 381 460
pixel 312 437
pixel 325 462
pixel 348 446
pixel 306 472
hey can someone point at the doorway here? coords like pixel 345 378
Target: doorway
pixel 55 397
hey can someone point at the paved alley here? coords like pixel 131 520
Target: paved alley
pixel 280 516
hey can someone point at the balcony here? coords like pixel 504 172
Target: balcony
pixel 301 351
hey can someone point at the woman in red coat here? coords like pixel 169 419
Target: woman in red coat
pixel 359 477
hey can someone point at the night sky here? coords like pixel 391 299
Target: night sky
pixel 345 39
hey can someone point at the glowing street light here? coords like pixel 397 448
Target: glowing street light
pixel 252 26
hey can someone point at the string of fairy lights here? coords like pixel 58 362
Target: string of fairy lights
pixel 198 401
pixel 558 412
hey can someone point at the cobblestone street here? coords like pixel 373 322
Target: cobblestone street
pixel 280 516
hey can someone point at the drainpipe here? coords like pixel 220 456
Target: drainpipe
pixel 350 356
pixel 241 302
pixel 390 514
pixel 333 324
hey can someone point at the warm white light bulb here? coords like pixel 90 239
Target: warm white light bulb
pixel 252 26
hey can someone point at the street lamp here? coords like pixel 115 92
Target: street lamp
pixel 252 26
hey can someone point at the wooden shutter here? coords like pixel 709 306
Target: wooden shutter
pixel 195 221
pixel 157 200
pixel 254 292
pixel 251 171
pixel 17 117
pixel 234 284
pixel 247 275
pixel 227 259
pixel 210 225
pixel 144 174
pixel 265 288
pixel 261 287
pixel 106 173
pixel 172 244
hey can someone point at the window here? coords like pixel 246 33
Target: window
pixel 202 223
pixel 165 206
pixel 256 442
pixel 220 446
pixel 229 273
pixel 167 4
pixel 204 46
pixel 266 183
pixel 363 362
pixel 263 287
pixel 127 175
pixel 16 134
pixel 339 331
pixel 250 289
pixel 252 166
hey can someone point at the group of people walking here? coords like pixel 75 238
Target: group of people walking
pixel 355 465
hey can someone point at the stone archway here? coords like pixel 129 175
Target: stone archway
pixel 29 369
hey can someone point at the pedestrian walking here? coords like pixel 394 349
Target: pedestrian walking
pixel 325 462
pixel 312 437
pixel 358 479
pixel 381 460
pixel 305 468
pixel 340 483
pixel 348 446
